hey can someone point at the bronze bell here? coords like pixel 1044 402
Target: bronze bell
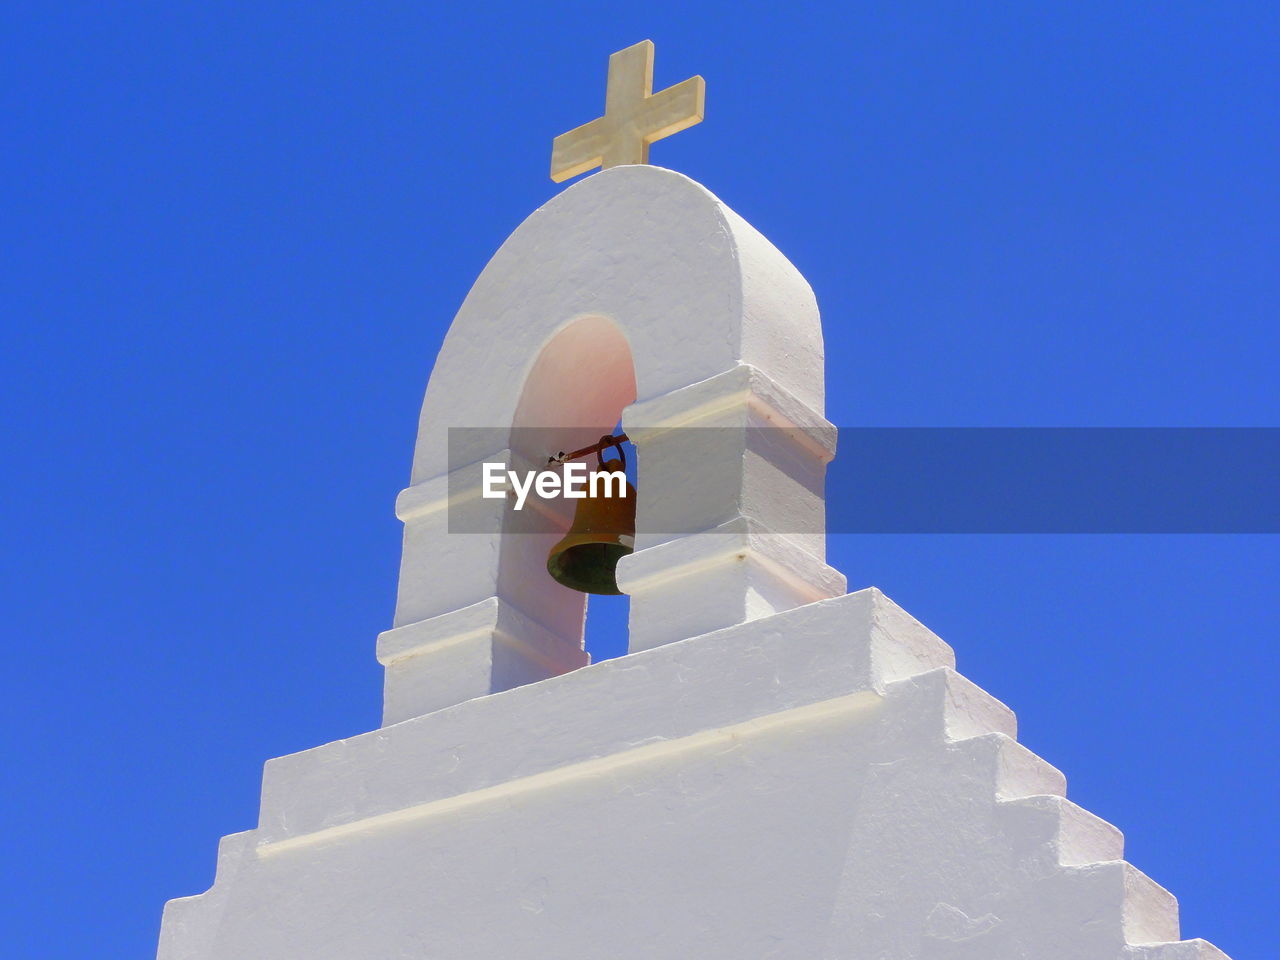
pixel 602 533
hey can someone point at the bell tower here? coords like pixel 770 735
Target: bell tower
pixel 635 294
pixel 778 768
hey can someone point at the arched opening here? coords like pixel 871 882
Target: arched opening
pixel 575 393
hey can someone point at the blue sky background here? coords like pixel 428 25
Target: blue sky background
pixel 234 236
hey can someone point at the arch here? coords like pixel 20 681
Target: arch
pixel 692 286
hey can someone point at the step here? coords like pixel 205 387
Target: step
pixel 957 708
pixel 1012 769
pixel 1070 834
pixel 1148 912
pixel 1177 950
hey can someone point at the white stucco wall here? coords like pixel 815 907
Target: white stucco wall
pixel 819 784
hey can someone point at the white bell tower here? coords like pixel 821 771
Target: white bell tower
pixel 634 295
pixel 778 768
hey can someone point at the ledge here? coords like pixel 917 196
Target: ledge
pixel 825 651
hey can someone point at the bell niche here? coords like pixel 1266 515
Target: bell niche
pixel 573 395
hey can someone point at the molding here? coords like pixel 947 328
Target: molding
pixel 743 386
pixel 493 617
pixel 739 539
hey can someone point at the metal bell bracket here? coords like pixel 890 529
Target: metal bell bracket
pixel 598 448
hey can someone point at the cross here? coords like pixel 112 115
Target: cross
pixel 634 117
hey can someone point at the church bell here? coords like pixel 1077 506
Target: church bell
pixel 602 533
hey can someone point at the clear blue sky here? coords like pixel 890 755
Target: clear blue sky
pixel 235 234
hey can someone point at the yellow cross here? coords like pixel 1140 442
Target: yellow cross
pixel 634 117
